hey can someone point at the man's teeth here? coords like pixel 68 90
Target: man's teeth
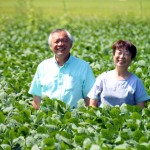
pixel 60 49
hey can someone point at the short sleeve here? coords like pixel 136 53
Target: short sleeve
pixel 97 88
pixel 140 93
pixel 35 88
pixel 88 82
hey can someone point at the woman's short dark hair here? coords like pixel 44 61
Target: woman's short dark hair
pixel 125 45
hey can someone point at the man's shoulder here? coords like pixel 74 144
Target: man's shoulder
pixel 47 61
pixel 79 60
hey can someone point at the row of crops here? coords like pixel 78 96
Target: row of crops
pixel 23 45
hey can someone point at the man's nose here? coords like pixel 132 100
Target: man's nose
pixel 60 43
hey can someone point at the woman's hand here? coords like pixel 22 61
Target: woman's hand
pixel 141 104
pixel 93 103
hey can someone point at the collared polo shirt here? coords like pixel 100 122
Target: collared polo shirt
pixel 69 83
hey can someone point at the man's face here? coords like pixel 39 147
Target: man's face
pixel 60 44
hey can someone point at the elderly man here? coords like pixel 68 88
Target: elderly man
pixel 63 77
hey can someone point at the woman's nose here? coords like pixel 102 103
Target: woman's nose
pixel 122 55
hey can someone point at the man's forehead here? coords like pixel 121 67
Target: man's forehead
pixel 60 34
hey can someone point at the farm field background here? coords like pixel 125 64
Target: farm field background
pixel 23 45
pixel 87 8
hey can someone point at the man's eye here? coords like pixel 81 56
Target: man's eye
pixel 65 40
pixel 56 42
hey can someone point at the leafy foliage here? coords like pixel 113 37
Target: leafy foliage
pixel 55 126
pixel 23 44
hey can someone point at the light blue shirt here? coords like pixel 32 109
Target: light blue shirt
pixel 68 83
pixel 111 91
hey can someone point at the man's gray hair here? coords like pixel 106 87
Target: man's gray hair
pixel 59 30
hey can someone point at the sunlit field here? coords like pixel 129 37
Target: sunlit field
pixel 85 8
pixel 95 25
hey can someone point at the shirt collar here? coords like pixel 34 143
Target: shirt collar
pixel 66 63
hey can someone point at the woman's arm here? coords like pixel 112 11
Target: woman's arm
pixel 93 103
pixel 141 104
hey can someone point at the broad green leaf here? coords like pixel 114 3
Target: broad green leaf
pixel 137 135
pixel 138 70
pixel 3 127
pixel 49 142
pixel 136 115
pixel 19 143
pixel 40 117
pixel 87 143
pixel 122 147
pixel 115 112
pixel 119 140
pixel 30 141
pixel 95 147
pixel 5 147
pixel 23 131
pixel 2 117
pixel 143 139
pixel 18 118
pixel 64 137
pixel 10 134
pixel 141 62
pixel 41 129
pixel 35 147
pixel 141 147
pixel 79 138
pixel 132 125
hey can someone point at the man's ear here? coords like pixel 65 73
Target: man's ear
pixel 71 45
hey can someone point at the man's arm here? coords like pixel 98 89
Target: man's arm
pixel 36 102
pixel 87 101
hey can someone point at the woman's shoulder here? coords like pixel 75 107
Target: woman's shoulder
pixel 105 75
pixel 134 77
pixel 134 80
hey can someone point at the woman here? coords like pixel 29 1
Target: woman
pixel 119 86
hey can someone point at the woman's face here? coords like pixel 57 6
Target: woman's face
pixel 122 58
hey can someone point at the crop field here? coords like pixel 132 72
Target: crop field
pixel 23 45
pixel 90 8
